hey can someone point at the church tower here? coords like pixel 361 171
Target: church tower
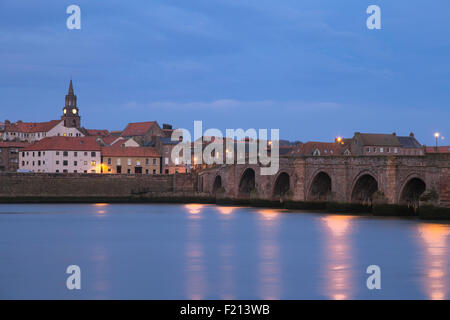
pixel 70 112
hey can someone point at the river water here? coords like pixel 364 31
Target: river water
pixel 193 251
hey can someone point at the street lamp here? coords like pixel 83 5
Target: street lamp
pixel 436 135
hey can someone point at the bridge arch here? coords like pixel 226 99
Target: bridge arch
pixel 247 182
pixel 320 187
pixel 282 185
pixel 364 188
pixel 217 184
pixel 411 191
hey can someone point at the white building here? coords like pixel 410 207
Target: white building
pixel 62 155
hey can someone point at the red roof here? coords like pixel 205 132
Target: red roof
pixel 96 132
pixel 13 144
pixel 31 127
pixel 441 149
pixel 137 128
pixel 325 148
pixel 65 144
pixel 111 139
pixel 130 152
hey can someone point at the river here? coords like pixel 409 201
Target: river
pixel 195 251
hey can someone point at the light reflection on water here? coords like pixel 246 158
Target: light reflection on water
pixel 195 266
pixel 269 254
pixel 338 257
pixel 226 267
pixel 434 238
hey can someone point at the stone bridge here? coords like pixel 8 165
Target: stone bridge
pixel 361 179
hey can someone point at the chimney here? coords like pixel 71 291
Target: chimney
pixel 394 134
pixel 411 134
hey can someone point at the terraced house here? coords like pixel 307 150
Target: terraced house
pixel 131 160
pixel 62 155
pixel 9 155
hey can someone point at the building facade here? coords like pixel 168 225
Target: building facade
pixel 131 160
pixel 373 144
pixel 62 155
pixel 9 155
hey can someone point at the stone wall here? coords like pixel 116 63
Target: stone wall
pixel 18 185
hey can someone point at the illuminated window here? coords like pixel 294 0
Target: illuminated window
pixel 93 163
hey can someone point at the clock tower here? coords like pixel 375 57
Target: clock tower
pixel 70 112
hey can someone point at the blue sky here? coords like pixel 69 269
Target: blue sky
pixel 310 68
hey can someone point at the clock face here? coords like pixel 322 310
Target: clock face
pixel 65 111
pixel 74 111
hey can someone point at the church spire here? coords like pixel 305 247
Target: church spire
pixel 70 111
pixel 71 88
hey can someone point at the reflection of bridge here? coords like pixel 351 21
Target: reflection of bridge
pixel 399 179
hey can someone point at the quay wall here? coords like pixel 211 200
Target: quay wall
pixel 66 186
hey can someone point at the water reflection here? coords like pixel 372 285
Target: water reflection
pixel 338 251
pixel 226 268
pixel 194 210
pixel 269 255
pixel 100 209
pixel 226 212
pixel 102 281
pixel 434 238
pixel 195 264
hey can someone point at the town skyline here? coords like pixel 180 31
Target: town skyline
pixel 319 73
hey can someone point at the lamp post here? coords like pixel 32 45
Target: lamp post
pixel 436 135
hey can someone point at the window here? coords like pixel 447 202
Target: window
pixel 118 162
pixel 23 163
pixel 65 163
pixel 388 150
pixel 147 161
pixel 138 162
pixel 154 171
pixel 57 171
pixel 75 163
pixel 33 153
pixel 85 153
pixel 395 150
pixel 381 150
pixel 93 154
pixel 57 161
pixel 146 171
pixel 128 171
pixel 93 163
pixel 129 162
pixel 39 162
pixel 57 153
pixel 154 161
pixel 75 154
pixel 109 161
pixel 65 154
pixel 368 149
pixel 39 153
pixel 375 149
pixel 166 160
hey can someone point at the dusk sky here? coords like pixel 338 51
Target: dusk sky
pixel 310 68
